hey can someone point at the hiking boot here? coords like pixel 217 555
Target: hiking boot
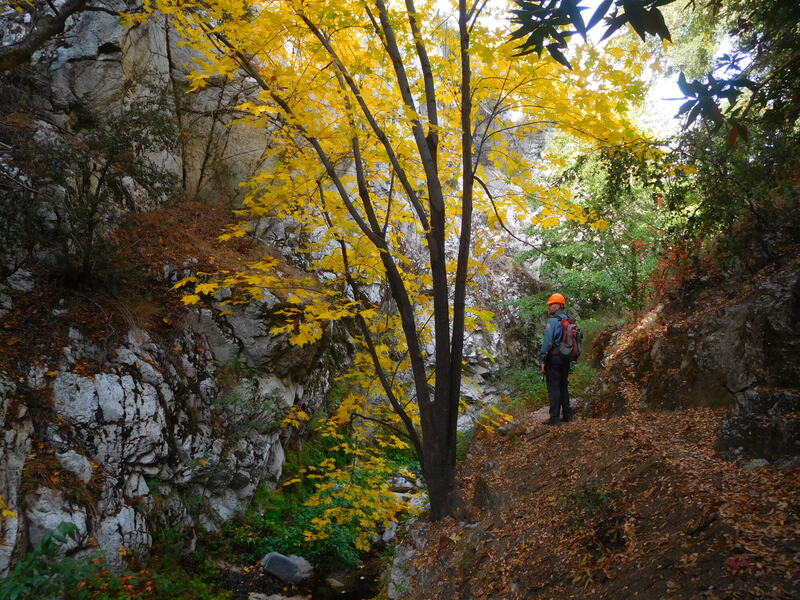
pixel 551 422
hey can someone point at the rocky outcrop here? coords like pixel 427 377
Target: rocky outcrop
pixel 149 434
pixel 122 436
pixel 15 443
pixel 99 61
pixel 737 348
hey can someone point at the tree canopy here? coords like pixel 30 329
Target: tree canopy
pixel 392 126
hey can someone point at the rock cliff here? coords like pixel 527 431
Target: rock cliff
pixel 128 427
pixel 729 344
pixel 151 430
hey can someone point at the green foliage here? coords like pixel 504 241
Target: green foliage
pixel 746 188
pixel 172 575
pixel 741 206
pixel 308 452
pixel 279 525
pixel 528 389
pixel 767 49
pixel 246 411
pixel 588 502
pixel 764 60
pixel 166 584
pixel 591 326
pixel 242 408
pixel 311 514
pixel 45 574
pixel 548 24
pixel 402 458
pixel 696 36
pixel 582 376
pixel 463 442
pixel 278 519
pixel 606 269
pixel 76 186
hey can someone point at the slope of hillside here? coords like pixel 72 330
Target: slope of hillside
pixel 636 506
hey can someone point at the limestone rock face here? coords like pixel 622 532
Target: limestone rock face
pixel 153 435
pixel 15 443
pixel 47 509
pixel 738 351
pixel 85 73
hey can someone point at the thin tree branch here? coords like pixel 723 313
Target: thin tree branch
pixel 435 197
pixel 251 70
pixel 427 76
pixel 382 137
pixel 500 219
pixel 385 383
pixel 386 424
pixel 389 198
pixel 475 12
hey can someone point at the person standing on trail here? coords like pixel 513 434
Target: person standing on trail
pixel 554 364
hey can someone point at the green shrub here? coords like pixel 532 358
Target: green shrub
pixel 279 526
pixel 44 573
pixel 74 187
pixel 588 502
pixel 528 389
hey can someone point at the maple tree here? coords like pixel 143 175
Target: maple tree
pixel 392 125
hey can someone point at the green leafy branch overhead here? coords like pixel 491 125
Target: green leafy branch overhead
pixel 548 24
pixel 703 100
pixel 765 33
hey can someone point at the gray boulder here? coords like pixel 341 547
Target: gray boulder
pixel 291 569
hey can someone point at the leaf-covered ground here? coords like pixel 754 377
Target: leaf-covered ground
pixel 637 506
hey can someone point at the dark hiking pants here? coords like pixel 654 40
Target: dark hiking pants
pixel 557 371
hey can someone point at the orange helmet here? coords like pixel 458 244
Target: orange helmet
pixel 556 299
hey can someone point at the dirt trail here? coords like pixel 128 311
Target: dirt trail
pixel 638 506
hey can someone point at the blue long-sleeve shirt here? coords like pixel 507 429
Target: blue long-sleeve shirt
pixel 552 334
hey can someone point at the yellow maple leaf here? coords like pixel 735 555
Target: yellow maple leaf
pixel 184 281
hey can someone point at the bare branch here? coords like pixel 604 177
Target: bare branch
pixel 384 423
pixel 475 12
pixel 435 196
pixel 48 26
pixel 500 219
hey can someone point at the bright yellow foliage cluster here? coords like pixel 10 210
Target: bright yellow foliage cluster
pixel 5 511
pixel 354 494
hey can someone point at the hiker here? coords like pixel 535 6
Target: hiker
pixel 554 364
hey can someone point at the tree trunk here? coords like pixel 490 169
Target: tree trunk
pixel 439 476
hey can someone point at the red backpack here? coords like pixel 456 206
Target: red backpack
pixel 571 339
